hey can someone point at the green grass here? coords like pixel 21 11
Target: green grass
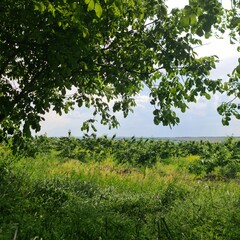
pixel 50 197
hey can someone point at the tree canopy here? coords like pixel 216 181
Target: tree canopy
pixel 107 51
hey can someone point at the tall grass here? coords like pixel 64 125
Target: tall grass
pixel 54 197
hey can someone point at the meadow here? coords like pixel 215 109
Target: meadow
pixel 101 188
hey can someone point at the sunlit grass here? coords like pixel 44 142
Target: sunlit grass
pixel 106 173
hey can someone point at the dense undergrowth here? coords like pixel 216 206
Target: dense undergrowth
pixel 67 188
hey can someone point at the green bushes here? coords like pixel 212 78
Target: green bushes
pixel 136 152
pixel 218 160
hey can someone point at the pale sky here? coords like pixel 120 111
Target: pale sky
pixel 201 119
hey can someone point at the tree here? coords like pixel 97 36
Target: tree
pixel 106 51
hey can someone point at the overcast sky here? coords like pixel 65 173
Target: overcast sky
pixel 201 119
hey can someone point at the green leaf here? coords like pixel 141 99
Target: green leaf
pixel 91 5
pixel 85 32
pixel 74 5
pixel 207 26
pixel 156 120
pixel 40 7
pixel 220 110
pixel 207 96
pixel 200 32
pixel 225 122
pixel 156 112
pixel 225 86
pixel 238 69
pixel 184 21
pixel 98 10
pixel 183 108
pixel 26 130
pixel 51 9
pixel 192 19
pixel 237 116
pixel 93 128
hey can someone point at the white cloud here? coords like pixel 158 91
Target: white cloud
pixel 199 108
pixel 176 3
pixel 54 125
pixel 181 3
pixel 220 47
pixel 142 100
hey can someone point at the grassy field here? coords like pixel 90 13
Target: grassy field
pixel 120 189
